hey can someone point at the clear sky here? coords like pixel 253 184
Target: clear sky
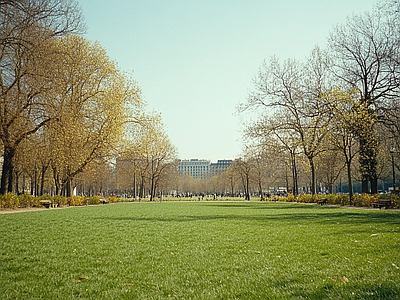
pixel 195 60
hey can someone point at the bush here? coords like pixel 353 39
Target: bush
pixel 306 198
pixel 75 201
pixel 127 199
pixel 27 200
pixel 45 197
pixel 290 198
pixel 395 200
pixel 364 200
pixel 59 200
pixel 93 200
pixel 343 199
pixel 9 200
pixel 113 199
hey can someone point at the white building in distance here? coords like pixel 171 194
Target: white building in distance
pixel 202 168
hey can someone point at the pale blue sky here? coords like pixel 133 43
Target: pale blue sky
pixel 195 60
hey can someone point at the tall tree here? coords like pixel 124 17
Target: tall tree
pixel 244 168
pixel 290 95
pixel 27 31
pixel 364 55
pixel 92 100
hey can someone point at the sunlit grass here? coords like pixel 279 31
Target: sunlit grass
pixel 200 250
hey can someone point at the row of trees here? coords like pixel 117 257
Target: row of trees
pixel 70 118
pixel 338 109
pixel 66 110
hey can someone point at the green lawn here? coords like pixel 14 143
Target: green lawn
pixel 200 250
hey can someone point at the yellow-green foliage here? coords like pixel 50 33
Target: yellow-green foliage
pixel 113 199
pixel 93 200
pixel 306 198
pixel 395 200
pixel 46 197
pixel 290 198
pixel 364 200
pixel 27 200
pixel 59 200
pixel 75 201
pixel 343 199
pixel 9 200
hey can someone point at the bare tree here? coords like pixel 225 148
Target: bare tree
pixel 364 55
pixel 290 95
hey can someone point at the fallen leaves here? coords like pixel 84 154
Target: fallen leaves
pixel 344 279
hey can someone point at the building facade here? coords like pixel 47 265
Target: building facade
pixel 197 168
pixel 219 167
pixel 202 168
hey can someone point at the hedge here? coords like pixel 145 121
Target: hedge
pixel 364 200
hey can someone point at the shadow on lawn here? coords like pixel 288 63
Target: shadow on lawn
pixel 353 291
pixel 289 214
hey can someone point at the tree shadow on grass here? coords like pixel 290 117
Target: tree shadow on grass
pixel 284 213
pixel 382 290
pixel 293 217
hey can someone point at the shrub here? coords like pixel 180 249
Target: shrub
pixel 364 200
pixel 27 200
pixel 333 199
pixel 395 200
pixel 290 198
pixel 344 200
pixel 123 199
pixel 113 199
pixel 45 197
pixel 9 200
pixel 75 201
pixel 59 200
pixel 93 200
pixel 306 198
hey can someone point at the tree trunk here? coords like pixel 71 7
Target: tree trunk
pixel 67 188
pixel 44 168
pixel 247 188
pixel 368 163
pixel 330 188
pixel 313 180
pixel 364 185
pixel 374 184
pixel 350 181
pixel 151 189
pixel 56 181
pixel 294 174
pixel 32 185
pixel 10 178
pixel 6 174
pixel 286 178
pixel 17 174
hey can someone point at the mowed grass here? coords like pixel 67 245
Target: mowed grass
pixel 200 250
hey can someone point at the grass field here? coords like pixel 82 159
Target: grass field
pixel 200 250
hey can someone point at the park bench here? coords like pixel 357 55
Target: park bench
pixel 45 203
pixel 104 201
pixel 322 201
pixel 382 203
